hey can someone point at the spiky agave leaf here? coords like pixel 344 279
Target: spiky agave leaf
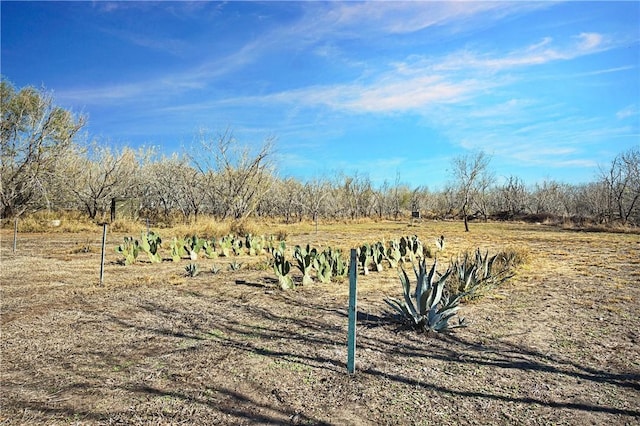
pixel 406 290
pixel 402 308
pixel 433 308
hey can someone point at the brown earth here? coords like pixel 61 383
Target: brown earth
pixel 558 344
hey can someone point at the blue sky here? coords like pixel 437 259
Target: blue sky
pixel 550 90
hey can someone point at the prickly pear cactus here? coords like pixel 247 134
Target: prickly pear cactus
pixel 281 267
pixel 150 243
pixel 178 250
pixel 364 257
pixel 393 253
pixel 130 249
pixel 304 258
pixel 378 255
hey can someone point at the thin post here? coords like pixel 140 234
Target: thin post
pixel 351 332
pixel 315 214
pixel 147 226
pixel 104 245
pixel 15 235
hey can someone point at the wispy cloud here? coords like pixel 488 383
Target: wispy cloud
pixel 538 53
pixel 628 111
pixel 411 16
pixel 421 82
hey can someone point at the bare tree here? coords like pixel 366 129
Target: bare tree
pixel 357 196
pixel 400 197
pixel 235 178
pixel 547 197
pixel 315 193
pixel 98 174
pixel 172 184
pixel 33 136
pixel 287 195
pixel 622 181
pixel 469 171
pixel 513 197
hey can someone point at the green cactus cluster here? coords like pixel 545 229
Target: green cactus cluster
pixel 339 266
pixel 150 243
pixel 323 267
pixel 378 254
pixel 178 249
pixel 282 267
pixel 327 264
pixel 364 254
pixel 130 249
pixel 395 252
pixel 412 247
pixel 393 255
pixel 305 258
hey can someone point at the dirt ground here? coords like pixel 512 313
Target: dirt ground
pixel 558 344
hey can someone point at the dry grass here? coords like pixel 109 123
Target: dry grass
pixel 557 345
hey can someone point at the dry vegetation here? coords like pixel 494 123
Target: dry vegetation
pixel 558 344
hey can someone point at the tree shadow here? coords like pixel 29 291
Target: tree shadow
pixel 235 404
pixel 503 398
pixel 303 332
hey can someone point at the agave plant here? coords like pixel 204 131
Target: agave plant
pixel 476 273
pixel 192 269
pixel 130 249
pixel 428 309
pixel 150 243
pixel 235 265
pixel 304 258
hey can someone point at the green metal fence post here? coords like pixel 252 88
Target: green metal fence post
pixel 351 332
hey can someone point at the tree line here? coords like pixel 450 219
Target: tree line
pixel 45 165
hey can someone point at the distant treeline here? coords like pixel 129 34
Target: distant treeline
pixel 45 166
